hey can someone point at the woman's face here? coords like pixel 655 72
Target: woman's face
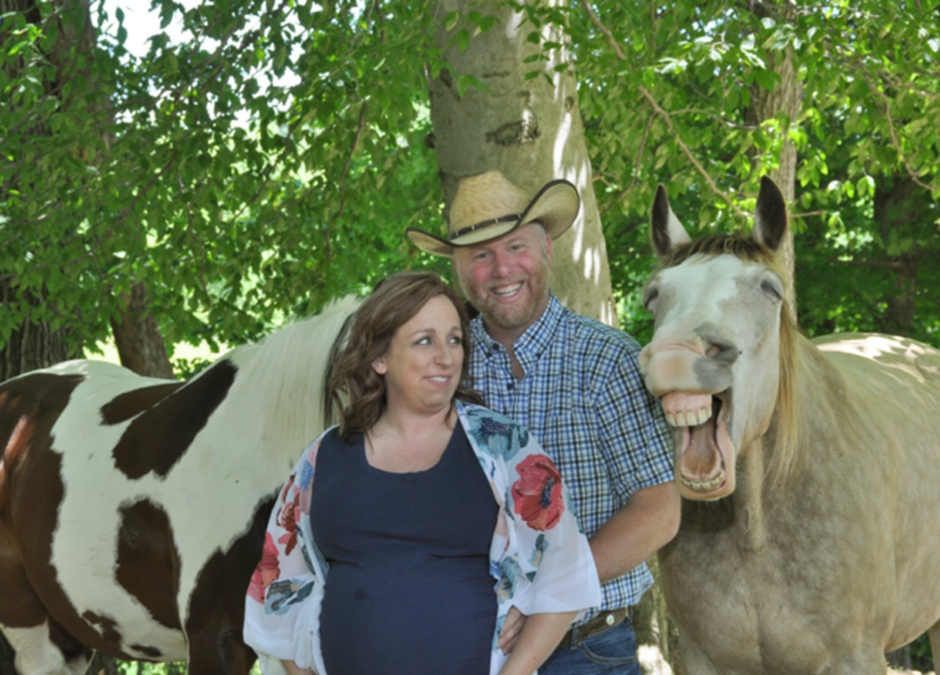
pixel 423 363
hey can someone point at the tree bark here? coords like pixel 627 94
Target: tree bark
pixel 32 345
pixel 137 336
pixel 530 129
pixel 784 100
pixel 899 201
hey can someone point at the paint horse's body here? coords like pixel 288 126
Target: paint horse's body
pixel 132 510
pixel 811 469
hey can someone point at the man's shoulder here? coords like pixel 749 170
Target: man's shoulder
pixel 591 330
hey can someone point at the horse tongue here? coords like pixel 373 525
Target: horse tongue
pixel 701 459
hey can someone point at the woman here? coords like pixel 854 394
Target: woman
pixel 431 516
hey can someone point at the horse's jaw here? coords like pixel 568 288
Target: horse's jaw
pixel 705 454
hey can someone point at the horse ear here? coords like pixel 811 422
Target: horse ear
pixel 770 216
pixel 666 232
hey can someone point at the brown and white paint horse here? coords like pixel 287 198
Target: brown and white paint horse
pixel 810 469
pixel 132 510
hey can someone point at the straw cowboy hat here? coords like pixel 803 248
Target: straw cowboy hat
pixel 488 206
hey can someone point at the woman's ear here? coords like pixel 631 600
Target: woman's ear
pixel 379 366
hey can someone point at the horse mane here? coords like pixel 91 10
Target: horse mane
pixel 288 372
pixel 784 457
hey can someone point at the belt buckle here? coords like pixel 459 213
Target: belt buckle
pixel 599 624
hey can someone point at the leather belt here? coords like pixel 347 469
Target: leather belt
pixel 600 623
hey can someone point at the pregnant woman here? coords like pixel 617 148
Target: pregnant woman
pixel 406 534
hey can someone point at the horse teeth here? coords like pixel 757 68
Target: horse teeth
pixel 688 418
pixel 705 485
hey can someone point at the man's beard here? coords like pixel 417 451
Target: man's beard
pixel 518 314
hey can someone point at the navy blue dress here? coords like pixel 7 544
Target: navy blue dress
pixel 408 589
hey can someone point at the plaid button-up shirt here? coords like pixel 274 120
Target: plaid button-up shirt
pixel 584 400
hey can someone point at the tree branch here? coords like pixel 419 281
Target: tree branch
pixel 663 114
pixel 891 130
pixel 636 166
pixel 808 214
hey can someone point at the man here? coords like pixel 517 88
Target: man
pixel 575 383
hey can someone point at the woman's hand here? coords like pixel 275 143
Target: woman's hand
pixel 540 635
pixel 512 628
pixel 293 669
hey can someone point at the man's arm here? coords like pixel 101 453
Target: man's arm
pixel 647 523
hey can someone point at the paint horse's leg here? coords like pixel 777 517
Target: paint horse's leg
pixel 217 604
pixel 41 646
pixel 224 653
pixel 214 624
pixel 37 654
pixel 217 647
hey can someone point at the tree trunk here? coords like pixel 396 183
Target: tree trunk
pixel 30 344
pixel 33 344
pixel 137 336
pixel 530 129
pixel 784 100
pixel 139 341
pixel 899 202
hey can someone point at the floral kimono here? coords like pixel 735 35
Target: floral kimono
pixel 539 559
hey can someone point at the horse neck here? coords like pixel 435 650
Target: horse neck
pixel 763 478
pixel 284 379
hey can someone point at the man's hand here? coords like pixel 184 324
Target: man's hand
pixel 512 627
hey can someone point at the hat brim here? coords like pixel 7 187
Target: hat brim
pixel 555 206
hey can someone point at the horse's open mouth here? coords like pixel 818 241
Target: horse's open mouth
pixel 704 453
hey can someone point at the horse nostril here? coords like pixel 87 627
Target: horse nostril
pixel 722 350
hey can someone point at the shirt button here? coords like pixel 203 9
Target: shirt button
pixel 610 619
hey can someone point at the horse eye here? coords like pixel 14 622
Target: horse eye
pixel 770 287
pixel 651 295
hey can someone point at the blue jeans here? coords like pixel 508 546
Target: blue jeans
pixel 612 652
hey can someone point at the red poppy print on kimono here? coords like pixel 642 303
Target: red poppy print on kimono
pixel 266 571
pixel 537 494
pixel 288 517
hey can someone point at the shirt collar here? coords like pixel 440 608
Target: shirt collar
pixel 536 339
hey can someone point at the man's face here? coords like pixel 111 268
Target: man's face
pixel 507 279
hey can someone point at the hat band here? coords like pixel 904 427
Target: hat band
pixel 486 223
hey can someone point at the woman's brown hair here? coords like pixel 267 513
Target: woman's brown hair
pixel 356 390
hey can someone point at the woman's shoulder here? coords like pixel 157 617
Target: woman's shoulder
pixel 476 414
pixel 328 438
pixel 494 433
